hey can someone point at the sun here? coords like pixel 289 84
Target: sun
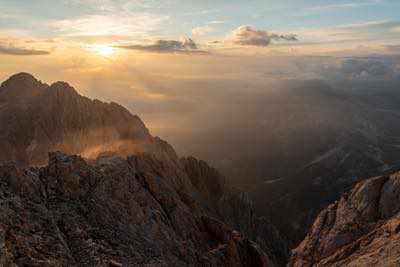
pixel 105 51
pixel 102 50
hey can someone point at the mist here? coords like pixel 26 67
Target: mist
pixel 253 117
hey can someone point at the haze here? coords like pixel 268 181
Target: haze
pixel 198 71
pixel 285 105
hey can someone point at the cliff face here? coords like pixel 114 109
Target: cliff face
pixel 37 118
pixel 127 200
pixel 361 229
pixel 115 212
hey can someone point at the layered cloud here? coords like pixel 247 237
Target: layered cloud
pixel 357 32
pixel 208 28
pixel 247 36
pixel 168 46
pixel 19 51
pixel 203 30
pixel 339 6
pixel 136 25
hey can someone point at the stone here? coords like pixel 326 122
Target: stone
pixel 361 229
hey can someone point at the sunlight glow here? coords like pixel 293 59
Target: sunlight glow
pixel 102 50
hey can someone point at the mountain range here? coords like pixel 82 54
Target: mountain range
pixel 84 183
pixel 296 146
pixel 127 199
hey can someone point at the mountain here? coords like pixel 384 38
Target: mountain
pixel 361 229
pixel 113 213
pixel 38 118
pixel 365 146
pixel 125 199
pixel 299 146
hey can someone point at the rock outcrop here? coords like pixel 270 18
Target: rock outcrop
pixel 239 210
pixel 361 229
pixel 126 199
pixel 37 118
pixel 111 213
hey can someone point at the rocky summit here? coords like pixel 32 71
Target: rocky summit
pixel 361 229
pixel 115 195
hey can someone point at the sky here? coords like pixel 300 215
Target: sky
pixel 167 60
pixel 133 22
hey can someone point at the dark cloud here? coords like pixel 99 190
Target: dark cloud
pixel 168 46
pixel 16 51
pixel 245 35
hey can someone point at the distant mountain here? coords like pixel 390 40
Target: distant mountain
pixel 363 143
pixel 127 200
pixel 361 229
pixel 298 147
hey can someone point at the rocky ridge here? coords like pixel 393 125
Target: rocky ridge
pixel 115 212
pixel 127 200
pixel 37 118
pixel 361 229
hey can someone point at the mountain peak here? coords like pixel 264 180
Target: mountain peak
pixel 60 90
pixel 20 85
pixel 22 78
pixel 61 86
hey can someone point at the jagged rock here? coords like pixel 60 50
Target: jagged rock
pixel 361 229
pixel 37 118
pixel 238 209
pixel 99 208
pixel 20 86
pixel 111 213
pixel 389 203
pixel 207 180
pixel 237 250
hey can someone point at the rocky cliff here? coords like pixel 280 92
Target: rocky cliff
pixel 361 229
pixel 126 200
pixel 115 212
pixel 37 118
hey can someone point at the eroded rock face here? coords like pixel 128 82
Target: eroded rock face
pixel 37 118
pixel 114 212
pixel 361 229
pixel 238 209
pixel 135 203
pixel 206 179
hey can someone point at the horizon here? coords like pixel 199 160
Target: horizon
pixel 163 59
pixel 242 133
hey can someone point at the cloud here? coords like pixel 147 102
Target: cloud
pixel 135 24
pixel 364 31
pixel 202 30
pixel 331 7
pixel 375 25
pixel 17 51
pixel 217 22
pixel 168 46
pixel 364 68
pixel 102 5
pixel 247 36
pixel 209 27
